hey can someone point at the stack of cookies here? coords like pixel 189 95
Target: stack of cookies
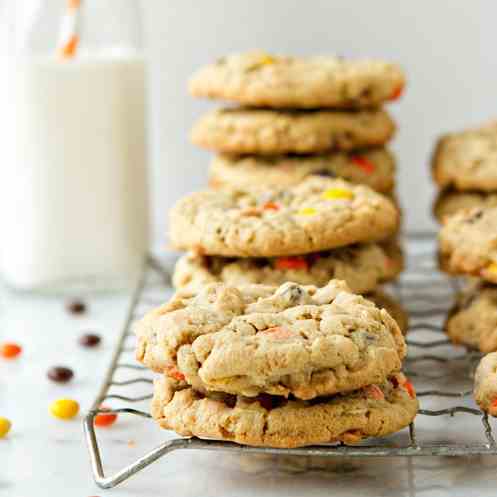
pixel 284 366
pixel 464 167
pixel 246 352
pixel 298 117
pixel 309 233
pixel 468 247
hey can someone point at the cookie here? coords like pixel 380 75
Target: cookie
pixel 315 215
pixel 262 80
pixel 374 167
pixel 485 390
pixel 467 160
pixel 363 267
pixel 449 202
pixel 287 340
pixel 374 411
pixel 468 244
pixel 270 132
pixel 383 300
pixel 472 321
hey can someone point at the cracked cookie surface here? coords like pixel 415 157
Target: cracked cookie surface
pixel 467 160
pixel 374 411
pixel 473 319
pixel 363 267
pixel 468 243
pixel 485 390
pixel 266 132
pixel 263 80
pixel 374 168
pixel 317 214
pixel 450 202
pixel 291 340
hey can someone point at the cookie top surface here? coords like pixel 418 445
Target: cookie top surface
pixel 485 390
pixel 468 243
pixel 374 167
pixel 467 160
pixel 363 267
pixel 262 80
pixel 473 319
pixel 317 214
pixel 374 411
pixel 449 202
pixel 296 340
pixel 269 132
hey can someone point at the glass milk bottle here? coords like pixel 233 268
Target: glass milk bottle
pixel 73 195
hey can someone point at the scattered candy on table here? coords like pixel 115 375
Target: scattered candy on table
pixel 10 350
pixel 76 307
pixel 64 408
pixel 105 418
pixel 89 340
pixel 60 374
pixel 5 426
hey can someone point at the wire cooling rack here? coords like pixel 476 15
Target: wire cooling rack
pixel 448 424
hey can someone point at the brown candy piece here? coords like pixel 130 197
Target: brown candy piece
pixel 60 374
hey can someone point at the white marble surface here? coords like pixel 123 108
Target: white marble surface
pixel 47 457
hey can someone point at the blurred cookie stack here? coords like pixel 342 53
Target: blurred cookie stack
pixel 298 117
pixel 301 118
pixel 464 167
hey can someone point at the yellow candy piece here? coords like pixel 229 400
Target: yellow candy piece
pixel 64 408
pixel 266 59
pixel 492 268
pixel 338 194
pixel 5 426
pixel 307 211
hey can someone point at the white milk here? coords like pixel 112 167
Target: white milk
pixel 73 192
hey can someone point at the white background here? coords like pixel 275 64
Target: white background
pixel 448 49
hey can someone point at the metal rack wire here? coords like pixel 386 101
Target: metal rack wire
pixel 441 373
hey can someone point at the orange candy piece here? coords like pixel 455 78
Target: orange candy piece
pixel 273 206
pixel 374 392
pixel 10 350
pixel 105 418
pixel 292 263
pixel 410 389
pixel 366 165
pixel 397 93
pixel 172 372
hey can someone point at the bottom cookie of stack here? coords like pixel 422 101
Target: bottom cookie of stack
pixel 273 421
pixel 472 321
pixel 485 391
